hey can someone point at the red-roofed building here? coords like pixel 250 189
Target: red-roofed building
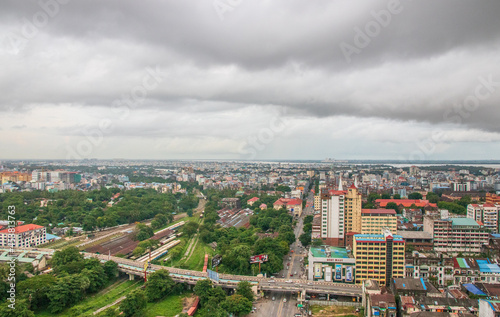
pixel 293 205
pixel 23 236
pixel 406 203
pixel 251 201
pixel 263 206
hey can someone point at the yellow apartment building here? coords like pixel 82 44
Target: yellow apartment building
pixel 379 257
pixel 374 221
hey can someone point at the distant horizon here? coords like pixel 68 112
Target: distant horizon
pixel 477 161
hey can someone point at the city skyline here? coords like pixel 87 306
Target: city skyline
pixel 396 80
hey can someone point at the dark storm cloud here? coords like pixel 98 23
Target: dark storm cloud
pixel 421 67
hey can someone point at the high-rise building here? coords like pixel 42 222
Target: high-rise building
pixel 353 210
pixel 379 257
pixel 332 217
pixel 340 214
pixel 487 214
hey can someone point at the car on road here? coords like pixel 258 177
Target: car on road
pixel 295 272
pixel 284 300
pixel 291 274
pixel 289 281
pixel 274 298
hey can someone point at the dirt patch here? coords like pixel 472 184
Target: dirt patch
pixel 334 311
pixel 187 302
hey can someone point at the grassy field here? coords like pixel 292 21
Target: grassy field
pixel 107 296
pixel 168 307
pixel 333 311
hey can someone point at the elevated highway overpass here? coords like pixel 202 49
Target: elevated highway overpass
pixel 136 268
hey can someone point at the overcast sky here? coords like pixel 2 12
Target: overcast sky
pixel 250 79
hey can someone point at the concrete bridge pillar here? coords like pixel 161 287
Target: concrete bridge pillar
pixel 131 276
pixel 328 297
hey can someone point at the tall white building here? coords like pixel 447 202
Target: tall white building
pixel 332 217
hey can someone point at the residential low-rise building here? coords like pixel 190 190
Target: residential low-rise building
pixel 381 305
pixel 331 264
pixel 489 308
pixel 29 235
pixel 427 306
pixel 293 205
pixel 456 235
pixel 470 270
pixel 430 268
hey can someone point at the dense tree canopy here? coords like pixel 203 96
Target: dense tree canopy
pixel 158 285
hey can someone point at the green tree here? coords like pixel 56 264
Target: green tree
pixel 305 239
pixel 386 196
pixel 244 289
pixel 317 243
pixel 372 197
pixel 134 304
pixel 155 224
pixel 36 287
pixel 21 309
pixel 396 196
pixel 67 291
pixel 111 269
pixel 283 188
pixel 158 285
pixel 142 232
pixel 452 207
pixel 66 256
pixel 308 219
pixel 415 195
pixel 237 304
pixel 190 228
pixel 202 290
pixel 432 197
pixel 392 205
pixel 138 251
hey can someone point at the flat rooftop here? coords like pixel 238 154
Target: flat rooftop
pixel 463 222
pixel 336 253
pixel 414 234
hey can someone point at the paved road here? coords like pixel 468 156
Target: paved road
pixel 293 262
pixel 277 308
